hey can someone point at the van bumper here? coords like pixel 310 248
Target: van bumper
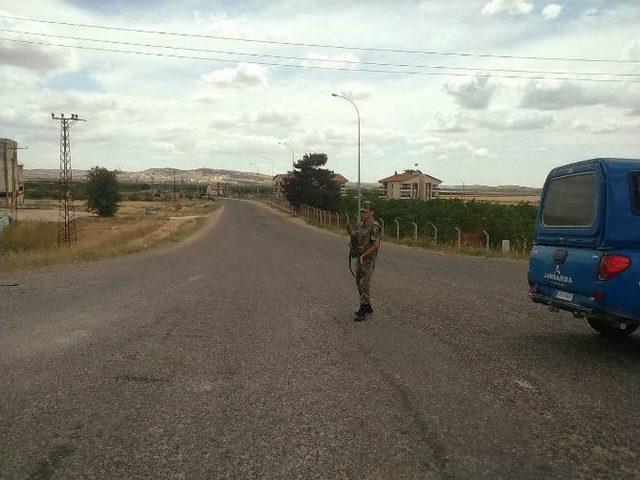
pixel 561 304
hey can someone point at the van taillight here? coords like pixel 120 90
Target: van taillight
pixel 612 266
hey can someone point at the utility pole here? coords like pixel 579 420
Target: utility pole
pixel 67 233
pixel 358 116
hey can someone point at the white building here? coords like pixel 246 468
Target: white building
pixel 410 185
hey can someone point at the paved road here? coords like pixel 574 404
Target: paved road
pixel 235 356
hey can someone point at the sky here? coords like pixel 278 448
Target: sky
pixel 223 111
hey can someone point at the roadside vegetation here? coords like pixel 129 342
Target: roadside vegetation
pixel 29 243
pixel 444 223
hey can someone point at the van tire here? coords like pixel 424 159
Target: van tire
pixel 611 331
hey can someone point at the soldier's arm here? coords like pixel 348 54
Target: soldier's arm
pixel 375 244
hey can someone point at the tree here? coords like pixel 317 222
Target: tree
pixel 312 185
pixel 103 191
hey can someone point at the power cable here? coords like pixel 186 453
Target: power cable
pixel 322 60
pixel 274 64
pixel 317 45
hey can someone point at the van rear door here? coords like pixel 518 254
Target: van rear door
pixel 564 261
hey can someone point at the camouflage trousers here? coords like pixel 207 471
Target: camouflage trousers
pixel 364 272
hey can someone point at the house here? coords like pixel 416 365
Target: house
pixel 410 185
pixel 279 180
pixel 342 181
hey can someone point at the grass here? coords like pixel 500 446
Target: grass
pixel 34 243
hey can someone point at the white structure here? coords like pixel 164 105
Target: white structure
pixel 410 185
pixel 11 175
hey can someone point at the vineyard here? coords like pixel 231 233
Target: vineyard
pixel 437 220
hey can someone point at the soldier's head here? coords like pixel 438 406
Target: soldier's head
pixel 366 210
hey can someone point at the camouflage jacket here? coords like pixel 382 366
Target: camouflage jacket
pixel 365 235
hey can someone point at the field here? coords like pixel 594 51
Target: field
pixel 499 199
pixel 34 242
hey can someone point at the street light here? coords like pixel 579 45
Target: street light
pixel 358 114
pixel 293 162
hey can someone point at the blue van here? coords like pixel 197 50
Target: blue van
pixel 586 254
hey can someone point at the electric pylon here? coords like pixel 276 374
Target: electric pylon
pixel 67 233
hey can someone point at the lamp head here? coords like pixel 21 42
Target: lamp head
pixel 334 94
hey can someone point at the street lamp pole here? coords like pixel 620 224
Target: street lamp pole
pixel 293 162
pixel 358 114
pixel 256 177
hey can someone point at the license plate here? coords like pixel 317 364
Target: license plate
pixel 565 296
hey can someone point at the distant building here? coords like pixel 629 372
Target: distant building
pixel 410 185
pixel 342 181
pixel 11 175
pixel 278 182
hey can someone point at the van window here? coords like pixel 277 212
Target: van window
pixel 634 185
pixel 570 201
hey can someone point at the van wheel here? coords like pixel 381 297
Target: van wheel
pixel 611 331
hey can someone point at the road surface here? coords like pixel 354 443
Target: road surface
pixel 235 355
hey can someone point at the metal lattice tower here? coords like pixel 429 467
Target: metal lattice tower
pixel 67 233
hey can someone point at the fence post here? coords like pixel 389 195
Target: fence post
pixel 435 233
pixel 524 243
pixel 338 220
pixel 381 227
pixel 415 231
pixel 397 229
pixel 459 236
pixel 486 236
pixel 347 216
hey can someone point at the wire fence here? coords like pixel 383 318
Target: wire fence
pixel 434 234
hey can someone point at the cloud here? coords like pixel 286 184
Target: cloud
pixel 551 11
pixel 273 117
pixel 355 91
pixel 512 7
pixel 515 120
pixel 434 146
pixel 605 125
pixel 448 122
pixel 567 94
pixel 345 60
pixel 34 58
pixel 244 75
pixel 632 52
pixel 473 94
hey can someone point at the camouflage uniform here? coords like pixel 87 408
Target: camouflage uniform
pixel 366 233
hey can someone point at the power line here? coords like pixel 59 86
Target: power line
pixel 322 60
pixel 317 45
pixel 314 67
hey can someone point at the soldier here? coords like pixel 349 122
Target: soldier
pixel 367 242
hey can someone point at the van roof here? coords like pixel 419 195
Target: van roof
pixel 609 164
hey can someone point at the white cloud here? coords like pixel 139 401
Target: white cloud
pixel 512 7
pixel 632 52
pixel 449 148
pixel 566 94
pixel 345 60
pixel 448 122
pixel 551 11
pixel 501 120
pixel 605 125
pixel 273 117
pixel 355 91
pixel 244 75
pixel 36 58
pixel 474 94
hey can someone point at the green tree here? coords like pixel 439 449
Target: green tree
pixel 312 185
pixel 103 191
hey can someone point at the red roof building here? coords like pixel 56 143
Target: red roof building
pixel 409 185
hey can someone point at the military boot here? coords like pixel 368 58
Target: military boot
pixel 367 308
pixel 361 313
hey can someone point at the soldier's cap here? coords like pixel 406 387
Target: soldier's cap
pixel 367 205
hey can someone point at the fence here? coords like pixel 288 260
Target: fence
pixel 434 234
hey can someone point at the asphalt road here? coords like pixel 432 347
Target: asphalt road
pixel 235 355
